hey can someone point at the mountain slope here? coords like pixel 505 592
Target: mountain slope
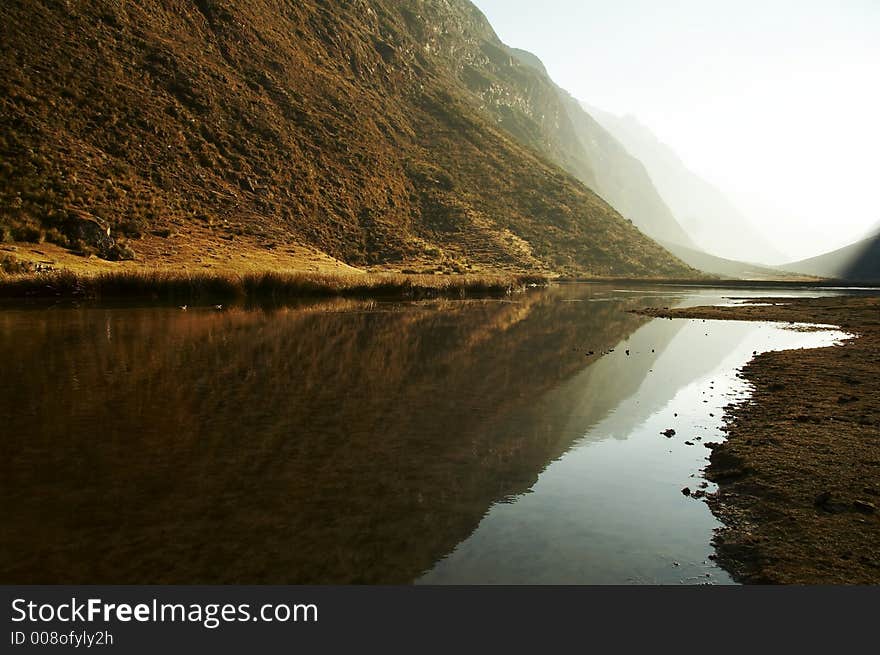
pixel 726 268
pixel 274 123
pixel 514 89
pixel 623 180
pixel 857 262
pixel 705 213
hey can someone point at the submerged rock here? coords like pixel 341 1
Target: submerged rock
pixel 864 507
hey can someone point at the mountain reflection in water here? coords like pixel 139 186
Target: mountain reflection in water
pixel 341 442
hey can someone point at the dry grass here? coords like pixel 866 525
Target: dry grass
pixel 268 286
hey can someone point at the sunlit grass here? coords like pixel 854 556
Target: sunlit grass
pixel 190 287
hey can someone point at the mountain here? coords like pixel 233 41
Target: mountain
pixel 614 173
pixel 168 130
pixel 726 268
pixel 857 262
pixel 706 214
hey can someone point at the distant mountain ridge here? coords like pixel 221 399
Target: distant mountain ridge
pixel 857 262
pixel 614 173
pixel 728 268
pixel 705 213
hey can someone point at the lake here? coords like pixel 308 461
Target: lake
pixel 481 441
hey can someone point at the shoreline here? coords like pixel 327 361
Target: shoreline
pixel 174 286
pixel 725 283
pixel 799 473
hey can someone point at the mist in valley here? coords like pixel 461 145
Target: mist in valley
pixel 753 121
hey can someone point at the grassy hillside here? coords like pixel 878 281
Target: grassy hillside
pixel 512 88
pixel 623 180
pixel 857 262
pixel 219 134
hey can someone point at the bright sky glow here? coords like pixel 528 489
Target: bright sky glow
pixel 776 102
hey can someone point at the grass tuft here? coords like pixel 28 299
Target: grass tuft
pixel 269 286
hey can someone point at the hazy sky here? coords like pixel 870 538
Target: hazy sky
pixel 777 102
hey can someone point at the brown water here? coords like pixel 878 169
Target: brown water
pixel 364 442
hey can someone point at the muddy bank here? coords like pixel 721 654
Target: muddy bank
pixel 799 476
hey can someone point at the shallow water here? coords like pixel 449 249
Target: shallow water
pixel 349 441
pixel 611 509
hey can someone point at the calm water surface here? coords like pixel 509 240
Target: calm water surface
pixel 349 442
